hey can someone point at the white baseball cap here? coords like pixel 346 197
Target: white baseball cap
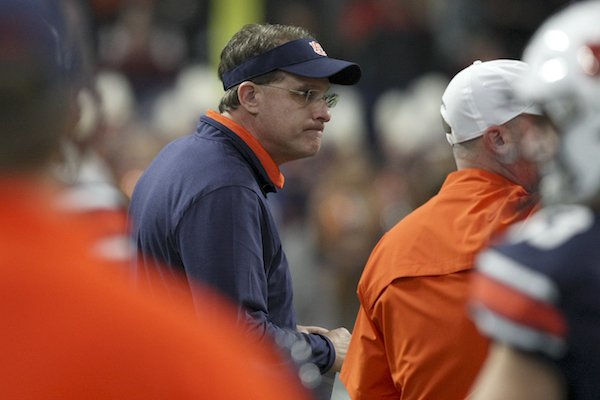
pixel 482 95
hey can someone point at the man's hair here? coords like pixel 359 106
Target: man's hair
pixel 250 41
pixel 471 149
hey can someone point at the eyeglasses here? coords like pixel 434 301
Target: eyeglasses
pixel 311 96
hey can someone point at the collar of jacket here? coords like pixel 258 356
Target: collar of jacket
pixel 268 170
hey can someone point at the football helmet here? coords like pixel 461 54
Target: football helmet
pixel 564 80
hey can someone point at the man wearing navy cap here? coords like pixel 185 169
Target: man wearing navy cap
pixel 72 326
pixel 201 207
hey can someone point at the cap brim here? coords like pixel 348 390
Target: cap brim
pixel 337 71
pixel 533 109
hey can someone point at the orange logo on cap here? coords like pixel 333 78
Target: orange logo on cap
pixel 318 49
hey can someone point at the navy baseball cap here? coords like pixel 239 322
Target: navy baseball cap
pixel 303 57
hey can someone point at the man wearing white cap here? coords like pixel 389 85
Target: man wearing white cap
pixel 413 338
pixel 201 207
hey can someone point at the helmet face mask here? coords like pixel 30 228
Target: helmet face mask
pixel 564 80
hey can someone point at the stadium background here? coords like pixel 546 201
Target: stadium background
pixel 384 153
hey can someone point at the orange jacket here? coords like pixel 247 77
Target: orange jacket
pixel 73 329
pixel 413 338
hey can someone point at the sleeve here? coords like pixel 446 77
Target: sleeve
pixel 514 304
pixel 222 244
pixel 433 349
pixel 365 372
pixel 529 283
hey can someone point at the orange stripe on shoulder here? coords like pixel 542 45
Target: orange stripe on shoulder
pixel 265 159
pixel 514 305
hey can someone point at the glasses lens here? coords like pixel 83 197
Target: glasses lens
pixel 331 99
pixel 312 96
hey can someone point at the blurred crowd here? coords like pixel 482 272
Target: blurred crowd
pixel 151 75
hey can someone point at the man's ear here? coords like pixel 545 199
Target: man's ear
pixel 499 140
pixel 247 96
pixel 494 139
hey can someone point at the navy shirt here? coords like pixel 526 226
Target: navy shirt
pixel 201 208
pixel 550 268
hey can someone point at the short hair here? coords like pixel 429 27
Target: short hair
pixel 248 42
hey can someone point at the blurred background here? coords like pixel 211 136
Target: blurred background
pixel 150 72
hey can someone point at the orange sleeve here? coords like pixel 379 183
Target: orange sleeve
pixel 433 349
pixel 365 372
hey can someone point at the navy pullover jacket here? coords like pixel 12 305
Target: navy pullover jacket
pixel 201 209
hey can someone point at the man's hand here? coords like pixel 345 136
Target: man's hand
pixel 340 337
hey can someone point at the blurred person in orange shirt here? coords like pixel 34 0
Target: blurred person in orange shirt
pixel 71 328
pixel 413 338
